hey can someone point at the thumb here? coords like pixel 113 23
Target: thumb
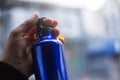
pixel 27 25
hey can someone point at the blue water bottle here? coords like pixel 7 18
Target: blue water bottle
pixel 48 55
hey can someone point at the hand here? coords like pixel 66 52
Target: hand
pixel 17 50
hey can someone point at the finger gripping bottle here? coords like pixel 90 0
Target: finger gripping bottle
pixel 48 55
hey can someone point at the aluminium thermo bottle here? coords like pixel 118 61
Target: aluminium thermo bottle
pixel 48 55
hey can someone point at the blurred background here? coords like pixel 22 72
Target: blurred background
pixel 91 29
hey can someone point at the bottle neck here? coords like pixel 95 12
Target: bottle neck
pixel 46 35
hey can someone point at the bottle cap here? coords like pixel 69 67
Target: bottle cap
pixel 41 27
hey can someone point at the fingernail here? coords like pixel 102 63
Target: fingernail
pixel 35 15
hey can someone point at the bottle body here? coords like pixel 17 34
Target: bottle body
pixel 48 58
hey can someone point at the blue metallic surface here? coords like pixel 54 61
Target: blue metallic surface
pixel 48 58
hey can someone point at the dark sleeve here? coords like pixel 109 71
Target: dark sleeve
pixel 7 72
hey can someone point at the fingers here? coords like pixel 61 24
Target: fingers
pixel 55 32
pixel 54 23
pixel 27 25
pixel 49 22
pixel 31 35
pixel 31 31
